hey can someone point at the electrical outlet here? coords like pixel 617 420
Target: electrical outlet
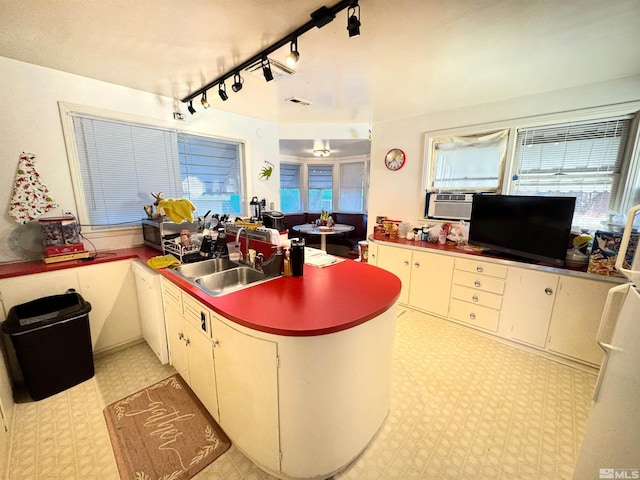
pixel 178 116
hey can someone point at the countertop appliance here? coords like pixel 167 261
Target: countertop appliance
pixel 611 446
pixel 273 219
pixel 150 308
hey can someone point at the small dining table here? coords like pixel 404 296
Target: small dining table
pixel 313 229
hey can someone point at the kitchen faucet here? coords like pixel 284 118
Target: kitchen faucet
pixel 244 259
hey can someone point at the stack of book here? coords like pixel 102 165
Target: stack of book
pixel 62 253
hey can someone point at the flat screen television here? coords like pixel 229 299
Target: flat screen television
pixel 528 227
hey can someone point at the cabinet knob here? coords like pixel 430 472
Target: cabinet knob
pixel 215 343
pixel 474 298
pixel 406 262
pixel 180 335
pixel 479 269
pixel 186 342
pixel 548 291
pixel 472 316
pixel 417 264
pixel 477 283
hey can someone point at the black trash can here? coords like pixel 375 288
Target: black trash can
pixel 52 340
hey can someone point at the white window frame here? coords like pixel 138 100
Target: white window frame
pixel 630 174
pixel 67 110
pixel 304 181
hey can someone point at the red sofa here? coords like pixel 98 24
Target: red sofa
pixel 344 244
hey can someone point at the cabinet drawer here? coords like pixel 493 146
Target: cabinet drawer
pixel 197 315
pixel 171 295
pixel 476 315
pixel 477 297
pixel 478 282
pixel 484 268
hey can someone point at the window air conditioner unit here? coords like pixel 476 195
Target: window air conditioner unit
pixel 448 206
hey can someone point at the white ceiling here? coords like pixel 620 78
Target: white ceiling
pixel 413 57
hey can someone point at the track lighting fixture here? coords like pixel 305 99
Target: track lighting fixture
pixel 222 91
pixel 266 70
pixel 353 22
pixel 204 102
pixel 293 55
pixel 237 82
pixel 319 18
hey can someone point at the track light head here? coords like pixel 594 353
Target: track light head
pixel 190 107
pixel 266 69
pixel 222 91
pixel 204 102
pixel 237 82
pixel 353 21
pixel 293 55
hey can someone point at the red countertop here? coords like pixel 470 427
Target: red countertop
pixel 322 301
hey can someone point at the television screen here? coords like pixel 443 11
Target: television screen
pixel 531 227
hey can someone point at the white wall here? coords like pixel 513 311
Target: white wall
pixel 30 122
pixel 399 194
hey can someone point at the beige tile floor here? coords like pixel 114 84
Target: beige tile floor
pixel 464 406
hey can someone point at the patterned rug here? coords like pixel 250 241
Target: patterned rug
pixel 163 432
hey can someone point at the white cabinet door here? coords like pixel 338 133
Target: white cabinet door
pixel 373 253
pixel 202 373
pixel 247 378
pixel 430 288
pixel 111 290
pixel 527 304
pixel 397 261
pixel 576 318
pixel 176 340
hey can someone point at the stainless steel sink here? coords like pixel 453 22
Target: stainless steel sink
pixel 219 276
pixel 205 267
pixel 231 280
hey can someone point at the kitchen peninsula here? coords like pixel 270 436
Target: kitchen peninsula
pixel 296 370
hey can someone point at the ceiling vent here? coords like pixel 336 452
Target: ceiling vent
pixel 299 101
pixel 278 70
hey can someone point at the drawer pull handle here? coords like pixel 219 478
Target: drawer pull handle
pixel 479 269
pixel 406 262
pixel 548 291
pixel 474 298
pixel 472 316
pixel 417 264
pixel 477 283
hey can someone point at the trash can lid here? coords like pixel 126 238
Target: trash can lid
pixel 44 311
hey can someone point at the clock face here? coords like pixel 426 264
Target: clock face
pixel 395 158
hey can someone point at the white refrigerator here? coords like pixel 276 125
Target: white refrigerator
pixel 611 446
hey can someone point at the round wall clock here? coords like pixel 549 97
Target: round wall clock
pixel 394 159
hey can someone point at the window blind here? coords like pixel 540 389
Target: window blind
pixel 290 191
pixel 211 174
pixel 582 159
pixel 120 165
pixel 351 195
pixel 320 187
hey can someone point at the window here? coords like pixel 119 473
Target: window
pixel 351 195
pixel 581 160
pixel 469 163
pixel 210 172
pixel 320 188
pixel 121 163
pixel 290 192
